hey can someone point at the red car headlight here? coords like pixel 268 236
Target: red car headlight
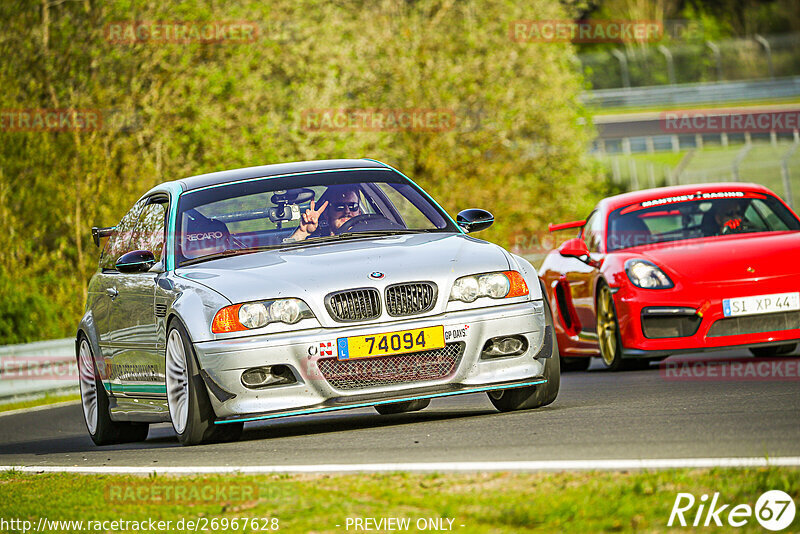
pixel 647 275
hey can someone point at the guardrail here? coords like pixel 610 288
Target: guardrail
pixel 32 369
pixel 695 93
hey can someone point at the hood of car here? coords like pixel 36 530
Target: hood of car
pixel 311 272
pixel 729 258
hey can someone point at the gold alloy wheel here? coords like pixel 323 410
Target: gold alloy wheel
pixel 606 326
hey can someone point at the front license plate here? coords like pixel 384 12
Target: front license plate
pixel 391 343
pixel 779 302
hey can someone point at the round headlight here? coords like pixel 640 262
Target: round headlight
pixel 253 315
pixel 466 289
pixel 285 311
pixel 494 285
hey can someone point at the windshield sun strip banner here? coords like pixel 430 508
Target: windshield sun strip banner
pixel 690 197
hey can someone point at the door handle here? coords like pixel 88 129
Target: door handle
pixel 112 292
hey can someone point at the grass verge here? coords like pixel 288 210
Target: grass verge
pixel 487 502
pixel 41 401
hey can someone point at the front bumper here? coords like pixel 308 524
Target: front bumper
pixel 705 327
pixel 223 362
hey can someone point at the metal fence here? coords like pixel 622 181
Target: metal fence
pixel 772 56
pixel 774 164
pixel 695 93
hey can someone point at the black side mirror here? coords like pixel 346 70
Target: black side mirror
pixel 474 220
pixel 136 261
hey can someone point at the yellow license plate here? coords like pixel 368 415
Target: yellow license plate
pixel 391 343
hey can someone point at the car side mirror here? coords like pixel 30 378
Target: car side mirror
pixel 573 248
pixel 136 261
pixel 474 220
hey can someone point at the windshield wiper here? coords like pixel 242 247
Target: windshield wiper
pixel 378 233
pixel 226 253
pixel 311 240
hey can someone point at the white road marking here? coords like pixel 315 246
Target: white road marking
pixel 554 465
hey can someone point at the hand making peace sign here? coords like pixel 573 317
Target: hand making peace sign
pixel 310 219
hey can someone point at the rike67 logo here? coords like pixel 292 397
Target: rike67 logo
pixel 774 510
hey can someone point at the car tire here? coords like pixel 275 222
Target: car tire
pixel 94 402
pixel 608 336
pixel 575 364
pixel 190 408
pixel 402 407
pixel 775 350
pixel 530 397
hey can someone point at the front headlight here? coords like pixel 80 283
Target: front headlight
pixel 238 317
pixel 647 275
pixel 500 285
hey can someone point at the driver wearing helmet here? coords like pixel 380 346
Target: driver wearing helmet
pixel 728 216
pixel 338 205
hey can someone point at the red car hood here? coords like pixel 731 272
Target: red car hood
pixel 730 258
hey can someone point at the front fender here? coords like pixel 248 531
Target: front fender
pixel 195 306
pixel 529 273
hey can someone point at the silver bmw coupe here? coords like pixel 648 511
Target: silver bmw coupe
pixel 297 289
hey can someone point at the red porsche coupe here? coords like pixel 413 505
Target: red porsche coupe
pixel 677 269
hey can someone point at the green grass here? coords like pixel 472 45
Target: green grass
pixel 31 403
pixel 489 502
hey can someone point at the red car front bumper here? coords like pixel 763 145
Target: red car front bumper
pixel 692 317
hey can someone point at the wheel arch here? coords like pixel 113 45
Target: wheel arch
pixel 528 272
pixel 88 329
pixel 195 308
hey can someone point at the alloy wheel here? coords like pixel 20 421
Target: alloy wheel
pixel 88 386
pixel 606 326
pixel 177 381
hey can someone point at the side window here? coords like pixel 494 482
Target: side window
pixel 149 231
pixel 117 243
pixel 592 232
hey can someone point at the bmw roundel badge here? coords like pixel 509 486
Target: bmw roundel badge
pixel 375 275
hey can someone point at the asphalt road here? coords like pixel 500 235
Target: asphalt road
pixel 598 415
pixel 615 126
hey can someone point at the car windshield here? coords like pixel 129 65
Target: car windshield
pixel 697 215
pixel 277 212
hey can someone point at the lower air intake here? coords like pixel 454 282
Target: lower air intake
pixel 348 375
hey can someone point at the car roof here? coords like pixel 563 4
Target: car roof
pixel 263 171
pixel 625 199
